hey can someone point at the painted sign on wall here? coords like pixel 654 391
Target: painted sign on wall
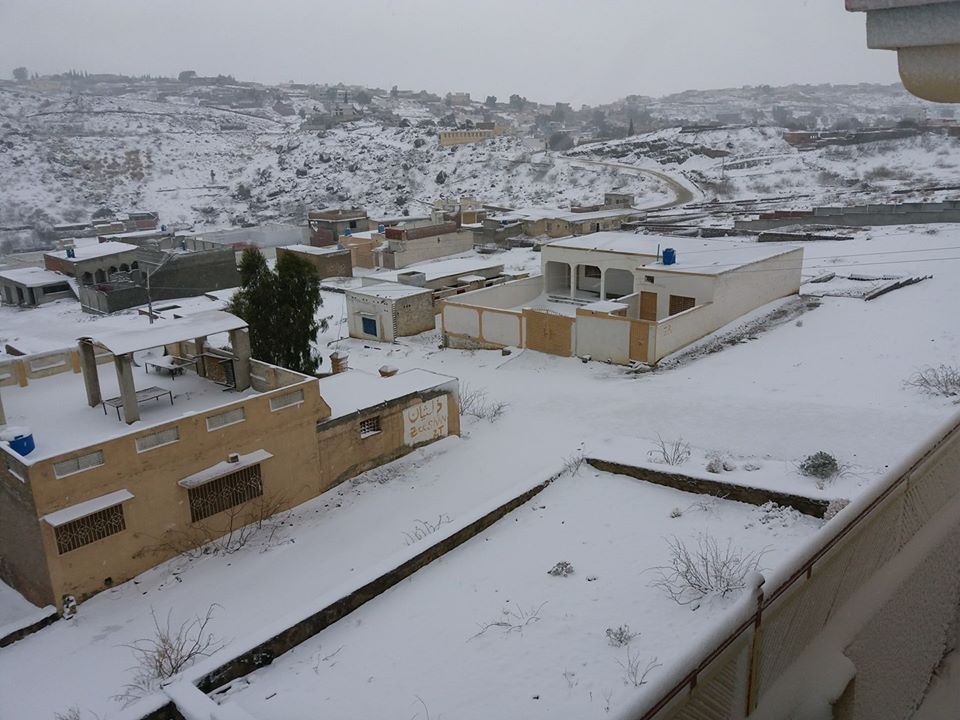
pixel 426 421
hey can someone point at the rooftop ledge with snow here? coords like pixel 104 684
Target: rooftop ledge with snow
pixel 54 407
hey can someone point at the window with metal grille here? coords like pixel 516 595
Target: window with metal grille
pixel 164 437
pixel 91 528
pixel 370 426
pixel 78 464
pixel 225 492
pixel 215 422
pixel 679 303
pixel 281 401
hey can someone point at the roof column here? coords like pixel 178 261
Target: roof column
pixel 88 366
pixel 128 391
pixel 240 342
pixel 198 351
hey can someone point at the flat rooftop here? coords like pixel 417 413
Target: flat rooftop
pixel 88 252
pixel 390 291
pixel 694 255
pixel 55 408
pixel 355 390
pixel 33 276
pixel 444 268
pixel 312 250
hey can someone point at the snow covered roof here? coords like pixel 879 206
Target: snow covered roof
pixel 693 255
pixel 312 250
pixel 595 215
pixel 605 306
pixel 164 332
pixel 223 468
pixel 88 507
pixel 88 252
pixel 390 291
pixel 444 268
pixel 355 390
pixel 136 234
pixel 33 276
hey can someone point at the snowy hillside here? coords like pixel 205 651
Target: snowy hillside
pixel 62 158
pixel 751 162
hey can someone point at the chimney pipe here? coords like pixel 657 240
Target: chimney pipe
pixel 338 362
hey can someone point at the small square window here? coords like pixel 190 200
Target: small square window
pixel 369 326
pixel 648 278
pixel 370 426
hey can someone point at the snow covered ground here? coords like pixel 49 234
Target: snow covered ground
pixel 831 380
pixel 429 645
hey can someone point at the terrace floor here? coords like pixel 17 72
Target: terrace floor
pixel 55 407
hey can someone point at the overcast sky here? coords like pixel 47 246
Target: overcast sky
pixel 579 51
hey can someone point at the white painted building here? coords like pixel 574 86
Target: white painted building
pixel 389 310
pixel 612 297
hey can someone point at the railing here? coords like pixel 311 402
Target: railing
pixel 757 644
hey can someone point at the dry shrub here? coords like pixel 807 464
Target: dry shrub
pixel 707 568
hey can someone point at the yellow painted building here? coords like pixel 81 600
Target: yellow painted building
pixel 100 500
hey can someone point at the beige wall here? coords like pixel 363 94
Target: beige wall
pixel 344 453
pixel 407 252
pixel 158 518
pixel 415 314
pixel 449 138
pixel 24 565
pixel 737 292
pixel 333 264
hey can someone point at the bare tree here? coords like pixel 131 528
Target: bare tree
pixel 170 650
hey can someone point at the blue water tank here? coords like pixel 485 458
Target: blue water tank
pixel 381 228
pixel 22 444
pixel 669 256
pixel 347 232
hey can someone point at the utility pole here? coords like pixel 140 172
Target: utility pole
pixel 149 296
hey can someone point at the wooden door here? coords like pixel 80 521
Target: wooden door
pixel 648 306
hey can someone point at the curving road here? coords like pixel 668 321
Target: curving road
pixel 682 194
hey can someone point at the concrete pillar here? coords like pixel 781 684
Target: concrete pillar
pixel 240 342
pixel 198 351
pixel 3 415
pixel 573 280
pixel 88 366
pixel 128 391
pixel 603 284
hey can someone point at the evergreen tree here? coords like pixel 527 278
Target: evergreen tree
pixel 280 308
pixel 630 130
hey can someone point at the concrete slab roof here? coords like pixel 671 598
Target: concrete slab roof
pixel 164 332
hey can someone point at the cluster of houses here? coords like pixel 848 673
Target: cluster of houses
pixel 215 438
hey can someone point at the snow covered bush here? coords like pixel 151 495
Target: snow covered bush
pixel 705 568
pixel 425 528
pixel 634 673
pixel 475 403
pixel 675 453
pixel 620 636
pixel 171 650
pixel 561 569
pixel 940 380
pixel 821 465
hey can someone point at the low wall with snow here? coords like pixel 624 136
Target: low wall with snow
pixel 852 625
pixel 281 641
